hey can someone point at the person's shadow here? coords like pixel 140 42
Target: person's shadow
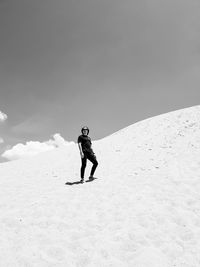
pixel 79 182
pixel 69 183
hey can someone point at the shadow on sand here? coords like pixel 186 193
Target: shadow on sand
pixel 79 182
pixel 68 183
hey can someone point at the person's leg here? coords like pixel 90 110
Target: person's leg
pixel 84 163
pixel 93 159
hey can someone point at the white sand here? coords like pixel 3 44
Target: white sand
pixel 143 211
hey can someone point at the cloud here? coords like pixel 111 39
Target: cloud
pixel 58 141
pixel 3 116
pixel 32 148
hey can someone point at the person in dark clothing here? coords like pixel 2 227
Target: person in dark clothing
pixel 86 152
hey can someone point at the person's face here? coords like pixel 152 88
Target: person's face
pixel 85 132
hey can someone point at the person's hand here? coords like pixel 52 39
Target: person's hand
pixel 82 155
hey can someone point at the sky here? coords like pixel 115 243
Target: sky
pixel 105 64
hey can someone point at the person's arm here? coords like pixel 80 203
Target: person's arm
pixel 81 151
pixel 91 146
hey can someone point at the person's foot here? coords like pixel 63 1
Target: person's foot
pixel 91 177
pixel 82 180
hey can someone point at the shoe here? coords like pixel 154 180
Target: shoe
pixel 82 181
pixel 91 178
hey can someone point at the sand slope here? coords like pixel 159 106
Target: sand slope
pixel 143 211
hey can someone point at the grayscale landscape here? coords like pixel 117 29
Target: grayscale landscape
pixel 142 211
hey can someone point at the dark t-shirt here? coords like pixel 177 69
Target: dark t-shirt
pixel 85 143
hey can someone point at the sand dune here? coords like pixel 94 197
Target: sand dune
pixel 142 211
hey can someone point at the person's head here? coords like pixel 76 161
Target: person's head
pixel 85 130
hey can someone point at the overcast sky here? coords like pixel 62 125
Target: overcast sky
pixel 105 64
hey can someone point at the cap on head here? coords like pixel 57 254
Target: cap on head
pixel 85 128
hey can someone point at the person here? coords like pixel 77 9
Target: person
pixel 86 152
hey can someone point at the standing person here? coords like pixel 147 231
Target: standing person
pixel 86 152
